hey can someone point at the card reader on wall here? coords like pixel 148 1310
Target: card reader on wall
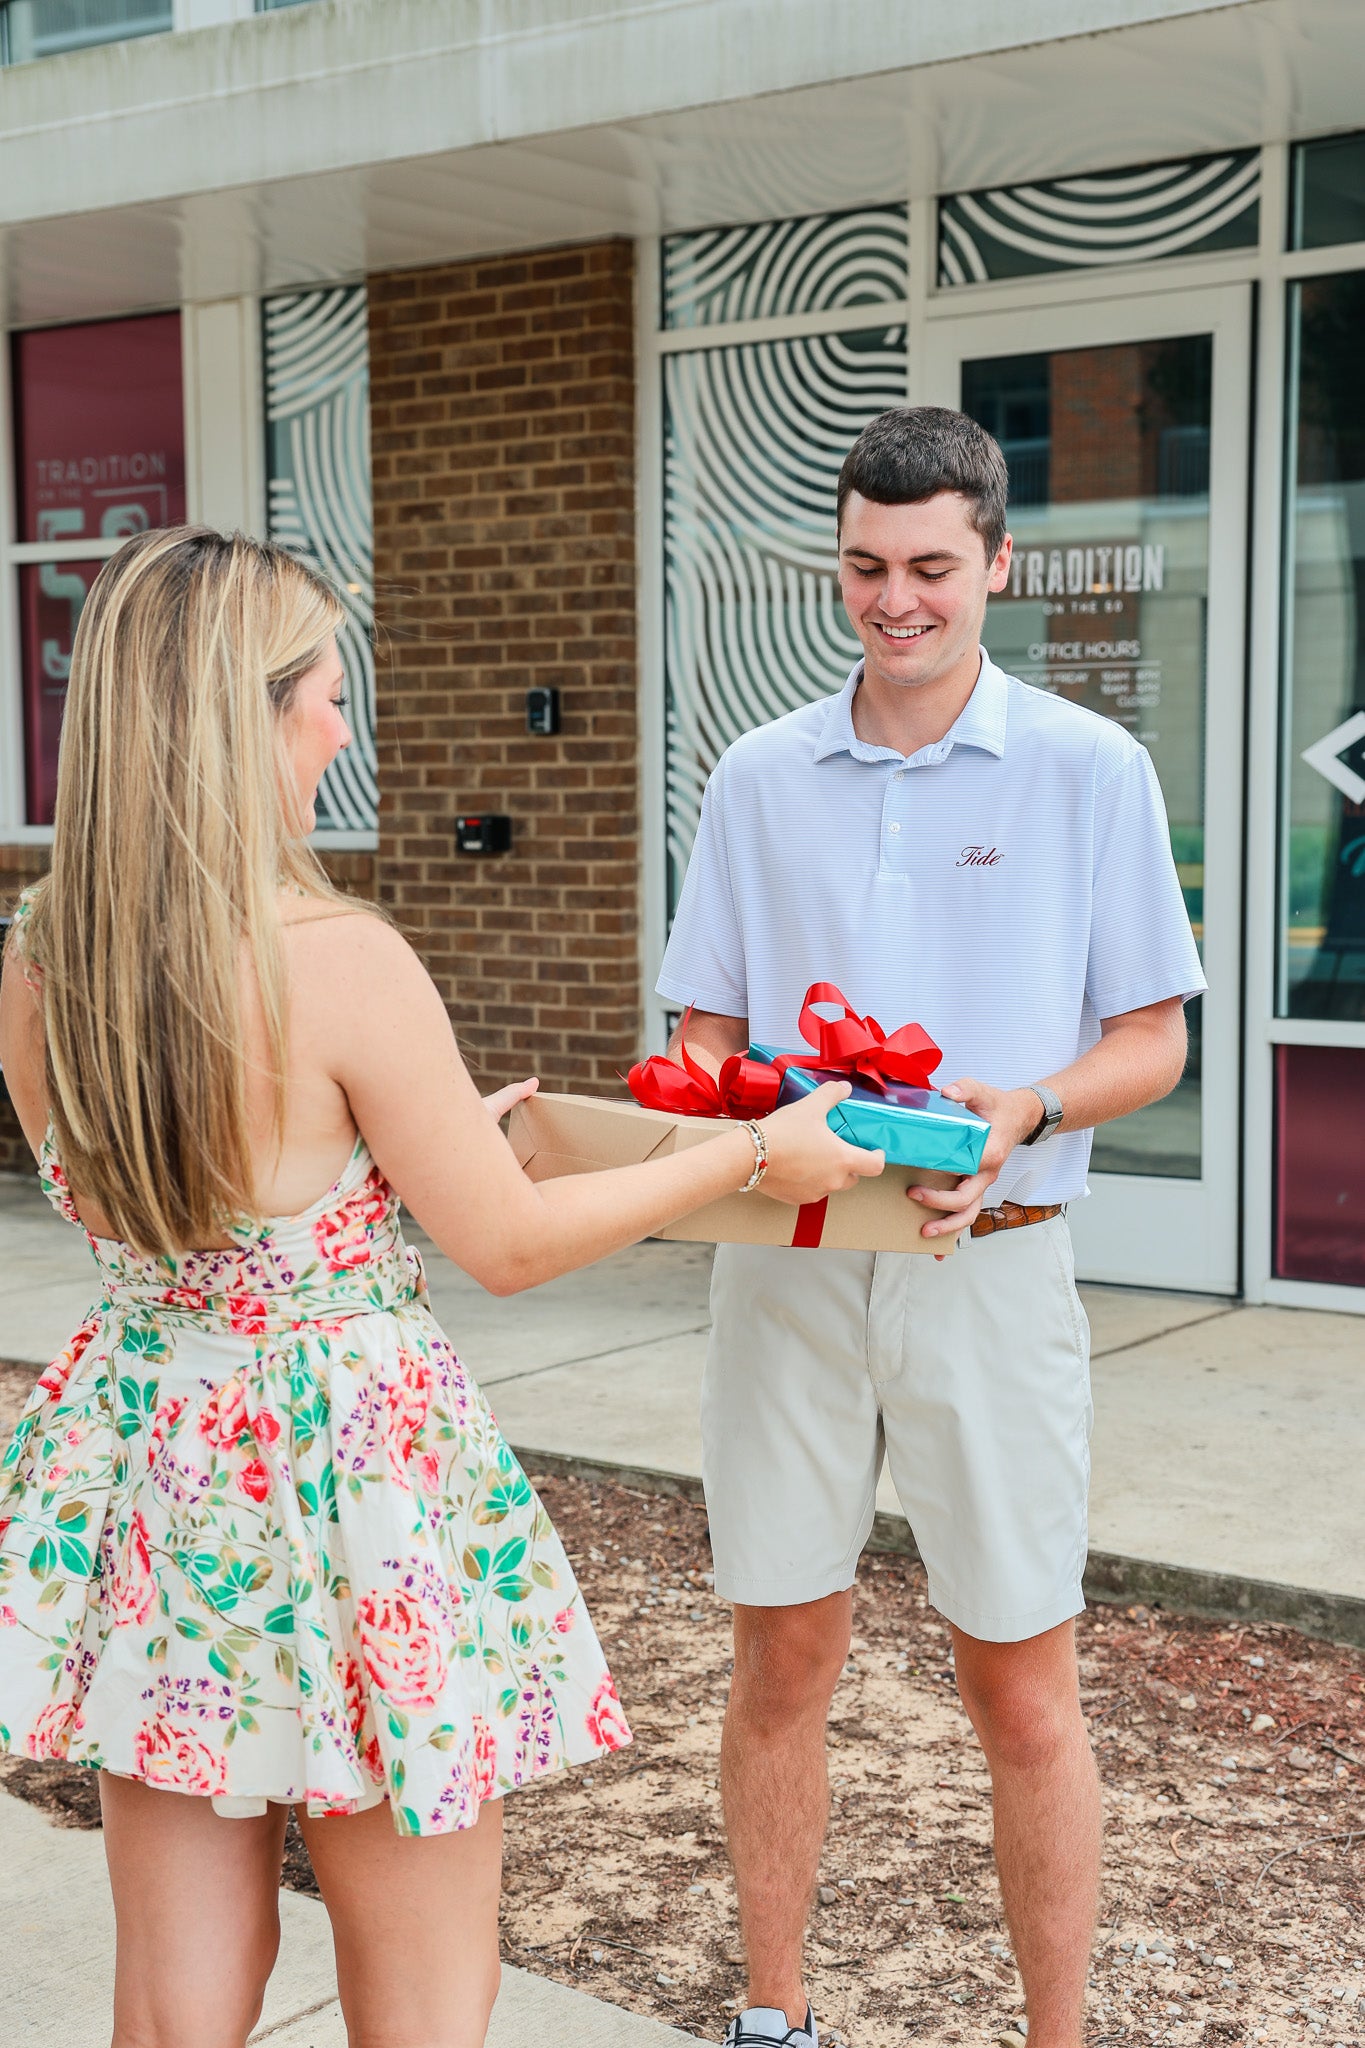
pixel 542 711
pixel 487 832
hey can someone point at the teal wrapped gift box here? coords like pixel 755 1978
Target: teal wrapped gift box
pixel 912 1126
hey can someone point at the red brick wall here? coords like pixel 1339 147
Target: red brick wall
pixel 503 405
pixel 1097 423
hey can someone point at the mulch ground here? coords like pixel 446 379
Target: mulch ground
pixel 1232 1761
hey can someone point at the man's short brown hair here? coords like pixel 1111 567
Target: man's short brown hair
pixel 915 451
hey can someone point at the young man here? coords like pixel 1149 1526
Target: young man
pixel 955 848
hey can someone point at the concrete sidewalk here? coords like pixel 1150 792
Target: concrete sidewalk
pixel 57 1978
pixel 1228 1447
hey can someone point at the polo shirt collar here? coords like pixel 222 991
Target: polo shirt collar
pixel 980 723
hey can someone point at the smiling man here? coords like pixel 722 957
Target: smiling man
pixel 954 847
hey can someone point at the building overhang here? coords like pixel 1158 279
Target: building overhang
pixel 352 136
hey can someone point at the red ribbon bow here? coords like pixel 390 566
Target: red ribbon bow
pixel 857 1046
pixel 744 1088
pixel 849 1044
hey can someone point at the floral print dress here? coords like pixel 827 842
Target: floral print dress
pixel 261 1539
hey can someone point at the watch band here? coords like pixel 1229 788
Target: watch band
pixel 1051 1117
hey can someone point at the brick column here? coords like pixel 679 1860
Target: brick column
pixel 503 398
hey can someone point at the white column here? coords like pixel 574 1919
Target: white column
pixel 224 430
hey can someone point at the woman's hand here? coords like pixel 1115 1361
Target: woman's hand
pixel 806 1161
pixel 502 1099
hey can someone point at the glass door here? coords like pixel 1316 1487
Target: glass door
pixel 1125 429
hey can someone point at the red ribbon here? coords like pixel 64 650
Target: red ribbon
pixel 848 1044
pixel 810 1225
pixel 744 1088
pixel 857 1046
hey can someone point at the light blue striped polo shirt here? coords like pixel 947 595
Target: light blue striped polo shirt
pixel 1006 888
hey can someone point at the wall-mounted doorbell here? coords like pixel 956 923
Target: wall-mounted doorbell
pixel 542 711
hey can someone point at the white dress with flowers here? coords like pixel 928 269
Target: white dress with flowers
pixel 261 1539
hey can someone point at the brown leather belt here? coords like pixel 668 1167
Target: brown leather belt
pixel 1013 1216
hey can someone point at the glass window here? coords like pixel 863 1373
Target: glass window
pixel 1328 203
pixel 754 437
pixel 100 453
pixel 317 408
pixel 48 28
pixel 1108 452
pixel 1322 850
pixel 51 598
pixel 785 266
pixel 1130 216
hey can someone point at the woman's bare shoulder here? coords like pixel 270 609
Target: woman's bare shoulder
pixel 335 933
pixel 352 957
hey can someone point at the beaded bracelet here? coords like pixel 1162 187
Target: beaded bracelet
pixel 760 1157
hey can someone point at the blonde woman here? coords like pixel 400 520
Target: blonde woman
pixel 261 1543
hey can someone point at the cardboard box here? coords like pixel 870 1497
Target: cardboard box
pixel 553 1135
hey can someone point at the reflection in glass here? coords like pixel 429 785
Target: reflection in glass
pixel 1328 200
pixel 48 28
pixel 1108 451
pixel 1322 853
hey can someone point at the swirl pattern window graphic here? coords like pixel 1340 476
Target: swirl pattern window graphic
pixel 1131 216
pixel 317 407
pixel 786 266
pixel 754 436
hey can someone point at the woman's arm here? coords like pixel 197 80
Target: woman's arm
pixel 392 1049
pixel 21 1045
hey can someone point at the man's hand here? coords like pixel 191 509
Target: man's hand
pixel 502 1099
pixel 1011 1113
pixel 1138 1059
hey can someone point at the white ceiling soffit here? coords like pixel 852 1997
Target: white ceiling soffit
pixel 238 159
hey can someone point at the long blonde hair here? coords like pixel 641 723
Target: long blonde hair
pixel 173 837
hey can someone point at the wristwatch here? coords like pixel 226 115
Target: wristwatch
pixel 1051 1116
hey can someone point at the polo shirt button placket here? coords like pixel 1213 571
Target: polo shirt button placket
pixel 894 850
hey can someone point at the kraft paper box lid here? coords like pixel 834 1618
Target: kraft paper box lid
pixel 555 1135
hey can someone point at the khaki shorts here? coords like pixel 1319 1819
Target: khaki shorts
pixel 971 1377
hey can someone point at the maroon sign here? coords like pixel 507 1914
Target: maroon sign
pixel 51 595
pixel 100 443
pixel 100 429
